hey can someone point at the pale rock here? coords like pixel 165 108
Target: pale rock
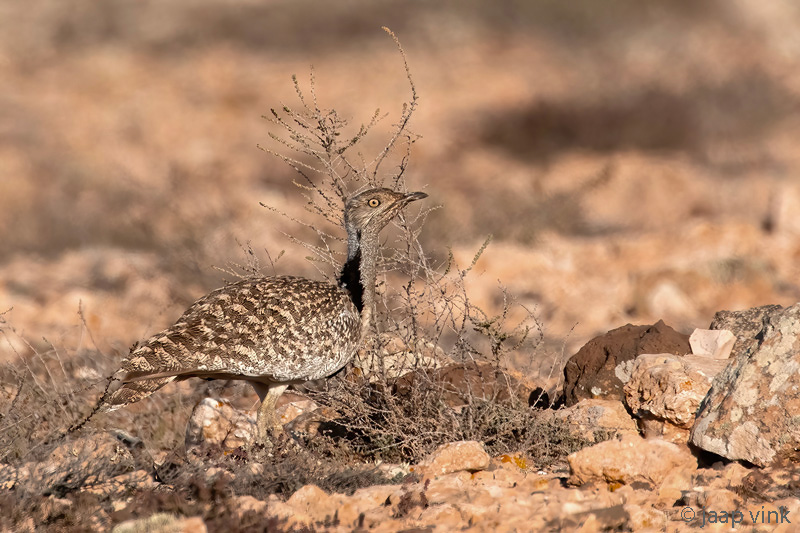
pixel 52 507
pixel 377 519
pixel 784 206
pixel 452 457
pixel 590 525
pixel 365 500
pixel 536 483
pixel 764 516
pixel 247 503
pixel 447 488
pixel 314 502
pixel 791 508
pixel 98 459
pixel 714 343
pixel 123 484
pixel 217 422
pixel 610 518
pixel 376 495
pixel 9 477
pixel 719 499
pixel 164 522
pixel 284 511
pixel 750 413
pixel 645 518
pixel 674 485
pixel 665 392
pixel 629 460
pixel 214 473
pixel 731 476
pixel 590 418
pixel 655 428
pixel 445 516
pixel 387 525
pixel 503 477
pixel 291 405
pixel 667 298
pixel 394 471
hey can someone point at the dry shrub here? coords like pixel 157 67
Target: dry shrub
pixel 396 402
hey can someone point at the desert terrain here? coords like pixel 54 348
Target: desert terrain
pixel 629 162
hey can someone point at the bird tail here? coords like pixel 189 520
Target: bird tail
pixel 124 394
pixel 132 391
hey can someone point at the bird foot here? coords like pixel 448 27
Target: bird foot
pixel 267 434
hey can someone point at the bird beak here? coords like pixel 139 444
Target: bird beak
pixel 410 197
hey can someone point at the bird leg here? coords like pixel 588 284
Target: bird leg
pixel 267 423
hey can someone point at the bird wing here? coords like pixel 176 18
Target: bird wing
pixel 276 329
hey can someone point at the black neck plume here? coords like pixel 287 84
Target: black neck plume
pixel 350 280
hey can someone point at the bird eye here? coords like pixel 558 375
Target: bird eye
pixel 374 202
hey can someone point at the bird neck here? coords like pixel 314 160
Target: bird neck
pixel 358 275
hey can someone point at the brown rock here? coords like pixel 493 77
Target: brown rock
pixel 665 391
pixel 595 372
pixel 460 383
pixel 217 422
pixel 452 457
pixel 751 411
pixel 629 460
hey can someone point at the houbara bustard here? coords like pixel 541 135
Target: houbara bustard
pixel 271 331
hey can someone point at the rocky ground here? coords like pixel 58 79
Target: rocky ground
pixel 634 164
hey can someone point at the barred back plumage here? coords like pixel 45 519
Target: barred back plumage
pixel 274 331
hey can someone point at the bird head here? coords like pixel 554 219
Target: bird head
pixel 371 210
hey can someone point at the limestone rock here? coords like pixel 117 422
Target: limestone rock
pixel 751 411
pixel 629 460
pixel 715 343
pixel 665 391
pixel 599 369
pixel 454 457
pixel 217 422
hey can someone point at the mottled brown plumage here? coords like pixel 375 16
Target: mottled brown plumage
pixel 272 332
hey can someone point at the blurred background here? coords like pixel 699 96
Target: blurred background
pixel 634 160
